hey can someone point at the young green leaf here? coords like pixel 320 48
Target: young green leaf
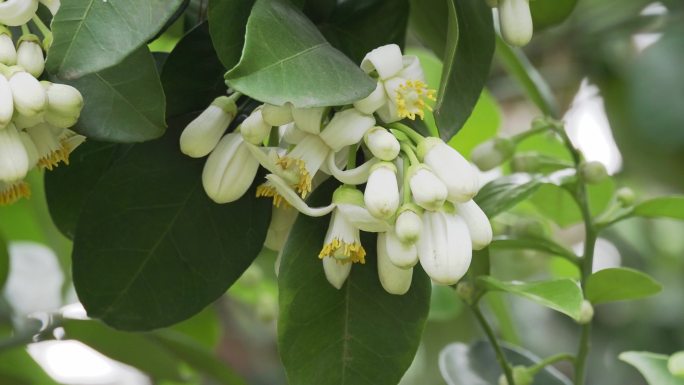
pixel 17 367
pixel 546 13
pixel 227 23
pixel 652 366
pixel 286 59
pixel 533 243
pixel 91 35
pixel 619 284
pixel 666 207
pixel 505 192
pixel 556 202
pixel 563 295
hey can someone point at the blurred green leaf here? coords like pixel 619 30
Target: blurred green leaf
pixel 204 328
pixel 18 368
pixel 503 193
pixel 429 20
pixel 532 243
pixel 499 308
pixel 557 204
pixel 619 284
pixel 563 295
pixel 546 13
pixel 91 35
pixel 359 334
pixel 667 207
pixel 444 304
pixel 4 262
pixel 652 366
pixel 282 58
pixel 227 25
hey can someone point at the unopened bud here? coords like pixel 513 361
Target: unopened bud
pixel 29 96
pixel 429 192
pixel 14 160
pixel 492 153
pixel 515 19
pixel 254 129
pixel 64 104
pixel 593 172
pixel 382 191
pixel 201 136
pixel 6 102
pixel 409 225
pixel 30 55
pixel 586 313
pixel 625 196
pixel 676 364
pixel 382 144
pixel 8 53
pixel 465 291
pixel 526 162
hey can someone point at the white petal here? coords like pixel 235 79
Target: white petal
pixel 202 135
pixel 444 248
pixel 8 53
pixel 347 127
pixel 382 144
pixel 412 69
pixel 17 12
pixel 515 19
pixel 254 129
pixel 459 176
pixel 402 255
pixel 14 160
pixel 358 175
pixel 29 96
pixel 428 191
pixel 372 102
pixel 387 61
pixel 30 57
pixel 277 115
pixel 478 224
pixel 310 119
pixel 361 218
pixel 295 200
pixel 393 279
pixel 229 170
pixel 381 195
pixel 6 102
pixel 336 273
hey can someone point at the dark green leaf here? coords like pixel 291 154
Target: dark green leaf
pixel 227 24
pixel 505 192
pixel 192 75
pixel 358 335
pixel 563 295
pixel 286 59
pixel 532 243
pixel 4 262
pixel 461 364
pixel 429 20
pixel 652 366
pixel 666 207
pixel 16 365
pixel 467 59
pixel 91 35
pixel 123 103
pixel 134 349
pixel 151 249
pixel 546 13
pixel 619 284
pixel 356 28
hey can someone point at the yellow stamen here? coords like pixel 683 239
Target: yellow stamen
pixel 303 186
pixel 410 99
pixel 52 160
pixel 12 192
pixel 267 191
pixel 350 252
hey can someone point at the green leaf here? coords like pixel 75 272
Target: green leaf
pixel 429 20
pixel 619 284
pixel 134 349
pixel 18 368
pixel 356 28
pixel 283 57
pixel 203 328
pixel 563 295
pixel 546 13
pixel 532 243
pixel 505 192
pixel 4 262
pixel 667 207
pixel 123 103
pixel 652 366
pixel 557 204
pixel 461 364
pixel 151 249
pixel 227 24
pixel 444 304
pixel 467 59
pixel 91 35
pixel 192 75
pixel 356 335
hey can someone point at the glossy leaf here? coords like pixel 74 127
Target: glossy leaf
pixel 91 35
pixel 467 59
pixel 286 59
pixel 652 366
pixel 663 207
pixel 546 13
pixel 151 249
pixel 429 20
pixel 619 284
pixel 461 364
pixel 557 204
pixel 192 75
pixel 505 192
pixel 227 24
pixel 562 295
pixel 123 103
pixel 532 243
pixel 358 335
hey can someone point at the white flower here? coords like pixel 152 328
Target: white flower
pixel 53 144
pixel 408 225
pixel 382 144
pixel 393 279
pixel 310 120
pixel 372 102
pixel 277 115
pixel 459 176
pixel 6 102
pixel 492 153
pixel 14 160
pixel 350 202
pixel 347 127
pixel 382 191
pixel 401 254
pixel 444 248
pixel 254 129
pixel 8 53
pixel 17 12
pixel 341 248
pixel 30 55
pixel 291 134
pixel 478 224
pixel 282 219
pixel 515 20
pixel 335 272
pixel 64 104
pixel 29 96
pixel 286 193
pixel 202 135
pixel 230 170
pixel 429 192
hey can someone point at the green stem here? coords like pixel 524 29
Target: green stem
pixel 526 134
pixel 500 357
pixel 44 30
pixel 25 30
pixel 550 361
pixel 407 187
pixel 414 136
pixel 351 160
pixel 410 154
pixel 235 96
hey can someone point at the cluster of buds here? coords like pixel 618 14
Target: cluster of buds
pixel 515 20
pixel 418 191
pixel 35 116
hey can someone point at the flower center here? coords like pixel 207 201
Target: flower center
pixel 298 166
pixel 344 252
pixel 411 97
pixel 266 190
pixel 12 192
pixel 53 159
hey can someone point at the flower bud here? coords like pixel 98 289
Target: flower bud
pixel 586 313
pixel 230 170
pixel 346 128
pixel 429 192
pixel 14 160
pixel 6 103
pixel 393 279
pixel 282 219
pixel 444 248
pixel 526 162
pixel 254 129
pixel 593 172
pixel 478 224
pixel 492 153
pixel 382 191
pixel 466 291
pixel 8 53
pixel 521 375
pixel 202 135
pixel 64 104
pixel 31 149
pixel 276 115
pixel 382 144
pixel 372 102
pixel 676 364
pixel 401 255
pixel 385 61
pixel 29 96
pixel 625 196
pixel 408 226
pixel 30 55
pixel 459 176
pixel 17 12
pixel 310 120
pixel 515 20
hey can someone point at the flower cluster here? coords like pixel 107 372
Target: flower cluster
pixel 418 191
pixel 35 116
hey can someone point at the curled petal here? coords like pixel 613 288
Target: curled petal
pixel 358 175
pixel 295 200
